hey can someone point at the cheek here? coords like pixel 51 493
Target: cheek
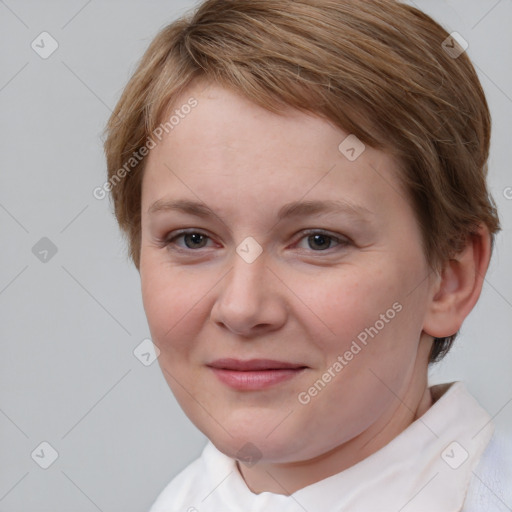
pixel 171 303
pixel 346 301
pixel 369 317
pixel 372 350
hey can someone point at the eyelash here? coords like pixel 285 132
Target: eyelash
pixel 168 242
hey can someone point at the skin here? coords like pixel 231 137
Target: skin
pixel 302 300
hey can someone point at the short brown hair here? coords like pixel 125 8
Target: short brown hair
pixel 375 68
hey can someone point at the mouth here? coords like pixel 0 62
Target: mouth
pixel 254 374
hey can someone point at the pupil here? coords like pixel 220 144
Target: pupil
pixel 320 239
pixel 195 237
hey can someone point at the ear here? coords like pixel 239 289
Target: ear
pixel 456 289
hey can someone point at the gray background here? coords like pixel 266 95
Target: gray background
pixel 69 326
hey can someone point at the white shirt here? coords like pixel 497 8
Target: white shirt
pixel 435 465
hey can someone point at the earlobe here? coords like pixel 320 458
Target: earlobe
pixel 458 286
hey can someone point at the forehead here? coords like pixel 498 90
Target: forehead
pixel 225 121
pixel 228 149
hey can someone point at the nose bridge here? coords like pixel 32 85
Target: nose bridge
pixel 248 277
pixel 247 297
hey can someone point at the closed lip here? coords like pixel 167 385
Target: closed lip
pixel 254 365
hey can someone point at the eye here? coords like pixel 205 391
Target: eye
pixel 192 239
pixel 320 241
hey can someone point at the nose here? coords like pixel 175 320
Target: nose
pixel 251 300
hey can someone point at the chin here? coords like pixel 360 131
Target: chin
pixel 256 443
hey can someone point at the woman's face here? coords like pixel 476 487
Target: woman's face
pixel 297 251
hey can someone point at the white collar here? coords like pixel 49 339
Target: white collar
pixel 426 468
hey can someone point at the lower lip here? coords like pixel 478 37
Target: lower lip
pixel 254 380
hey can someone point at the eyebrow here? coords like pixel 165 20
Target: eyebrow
pixel 293 209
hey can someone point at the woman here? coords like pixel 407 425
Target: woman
pixel 303 187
